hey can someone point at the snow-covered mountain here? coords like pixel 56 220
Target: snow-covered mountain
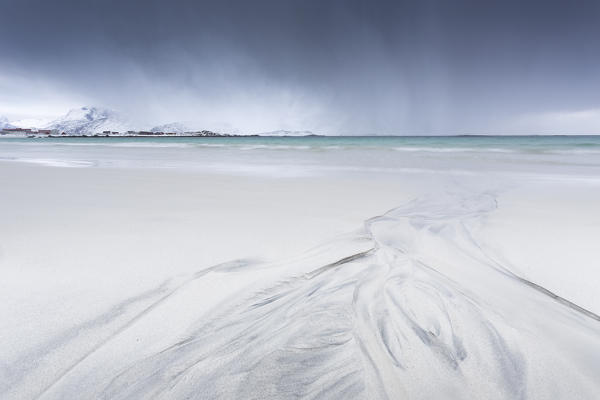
pixel 286 133
pixel 176 127
pixel 5 124
pixel 39 123
pixel 88 120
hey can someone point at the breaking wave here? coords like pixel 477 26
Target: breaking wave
pixel 51 162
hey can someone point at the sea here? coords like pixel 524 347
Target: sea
pixel 307 156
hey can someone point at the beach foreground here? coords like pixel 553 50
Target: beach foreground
pixel 177 270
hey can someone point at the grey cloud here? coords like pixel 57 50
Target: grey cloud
pixel 358 67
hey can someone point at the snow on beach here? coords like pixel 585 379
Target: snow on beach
pixel 317 274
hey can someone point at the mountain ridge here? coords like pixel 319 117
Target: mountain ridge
pixel 89 120
pixel 5 124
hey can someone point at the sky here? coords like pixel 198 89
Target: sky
pixel 334 67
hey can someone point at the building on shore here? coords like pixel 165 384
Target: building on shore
pixel 28 131
pixel 16 130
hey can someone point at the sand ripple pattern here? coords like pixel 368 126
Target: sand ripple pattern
pixel 418 310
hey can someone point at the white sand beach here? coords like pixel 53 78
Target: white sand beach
pixel 309 200
pixel 212 282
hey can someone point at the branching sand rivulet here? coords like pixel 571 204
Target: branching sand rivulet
pixel 194 282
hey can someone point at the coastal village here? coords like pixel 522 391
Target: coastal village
pixel 34 133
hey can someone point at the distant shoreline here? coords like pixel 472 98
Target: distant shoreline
pixel 303 136
pixel 34 135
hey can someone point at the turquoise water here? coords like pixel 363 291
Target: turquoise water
pixel 464 143
pixel 314 155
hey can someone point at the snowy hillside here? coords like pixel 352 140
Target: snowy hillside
pixel 5 124
pixel 286 133
pixel 91 120
pixel 39 123
pixel 176 127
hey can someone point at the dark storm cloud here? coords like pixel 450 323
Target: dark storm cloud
pixel 340 66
